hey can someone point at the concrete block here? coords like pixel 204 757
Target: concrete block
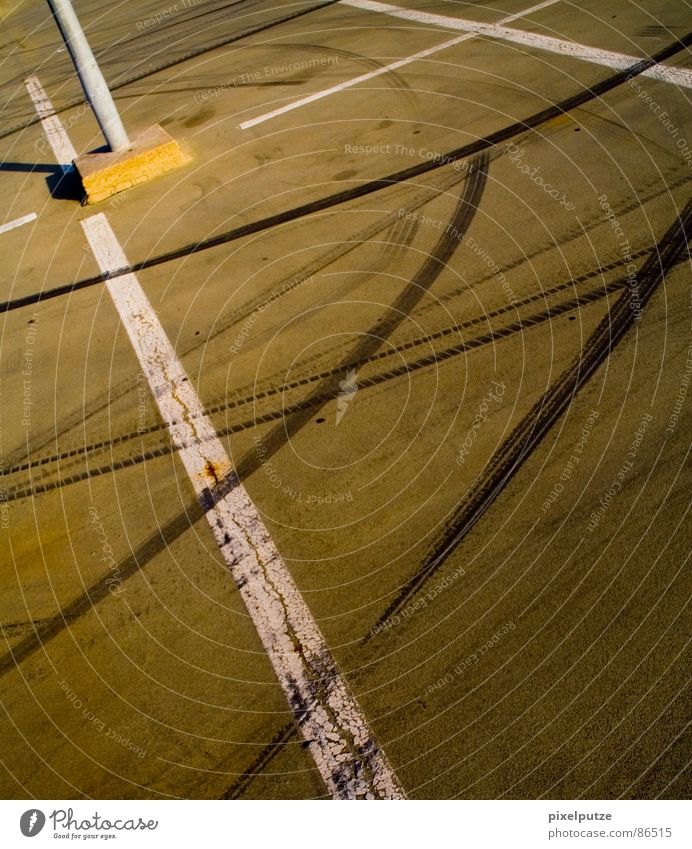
pixel 152 153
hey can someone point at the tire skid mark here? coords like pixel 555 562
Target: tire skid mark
pixel 522 323
pixel 289 729
pixel 554 311
pixel 13 628
pixel 414 287
pixel 117 84
pixel 265 757
pixel 369 187
pixel 163 537
pixel 585 226
pixel 159 541
pixel 402 234
pixel 276 384
pixel 288 284
pixel 349 761
pixel 571 235
pixel 374 338
pixel 372 341
pixel 79 416
pixel 284 737
pixel 45 630
pixel 529 433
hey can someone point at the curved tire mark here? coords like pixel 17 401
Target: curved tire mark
pixel 528 434
pixel 163 537
pixel 435 357
pixel 369 187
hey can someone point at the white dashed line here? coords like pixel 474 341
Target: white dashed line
pixel 619 61
pixel 329 716
pixel 18 222
pixel 311 98
pixel 51 124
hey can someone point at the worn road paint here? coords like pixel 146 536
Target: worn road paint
pixel 18 222
pixel 385 70
pixel 330 719
pixel 52 125
pixel 572 49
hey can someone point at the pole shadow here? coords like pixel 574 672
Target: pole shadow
pixel 63 181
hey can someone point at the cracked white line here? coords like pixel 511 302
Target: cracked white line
pixel 416 57
pixel 330 719
pixel 18 222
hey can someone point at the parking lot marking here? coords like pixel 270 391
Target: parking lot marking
pixel 329 717
pixel 18 222
pixel 574 50
pixel 52 125
pixel 296 104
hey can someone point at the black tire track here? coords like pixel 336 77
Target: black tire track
pixel 537 423
pixel 584 226
pixel 314 402
pixel 284 286
pixel 301 276
pixel 295 280
pixel 287 728
pixel 46 629
pixel 364 352
pixel 346 195
pixel 276 387
pixel 517 448
pixel 275 384
pixel 329 385
pixel 660 261
pixel 161 539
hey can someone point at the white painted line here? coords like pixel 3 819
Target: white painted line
pixel 51 124
pixel 609 58
pixel 18 222
pixel 296 104
pixel 330 718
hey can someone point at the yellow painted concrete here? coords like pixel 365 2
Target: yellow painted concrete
pixel 151 154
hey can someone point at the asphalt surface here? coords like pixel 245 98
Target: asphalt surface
pixel 457 396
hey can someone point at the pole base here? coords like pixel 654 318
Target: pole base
pixel 151 153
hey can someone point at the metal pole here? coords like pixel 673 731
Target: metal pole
pixel 95 88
